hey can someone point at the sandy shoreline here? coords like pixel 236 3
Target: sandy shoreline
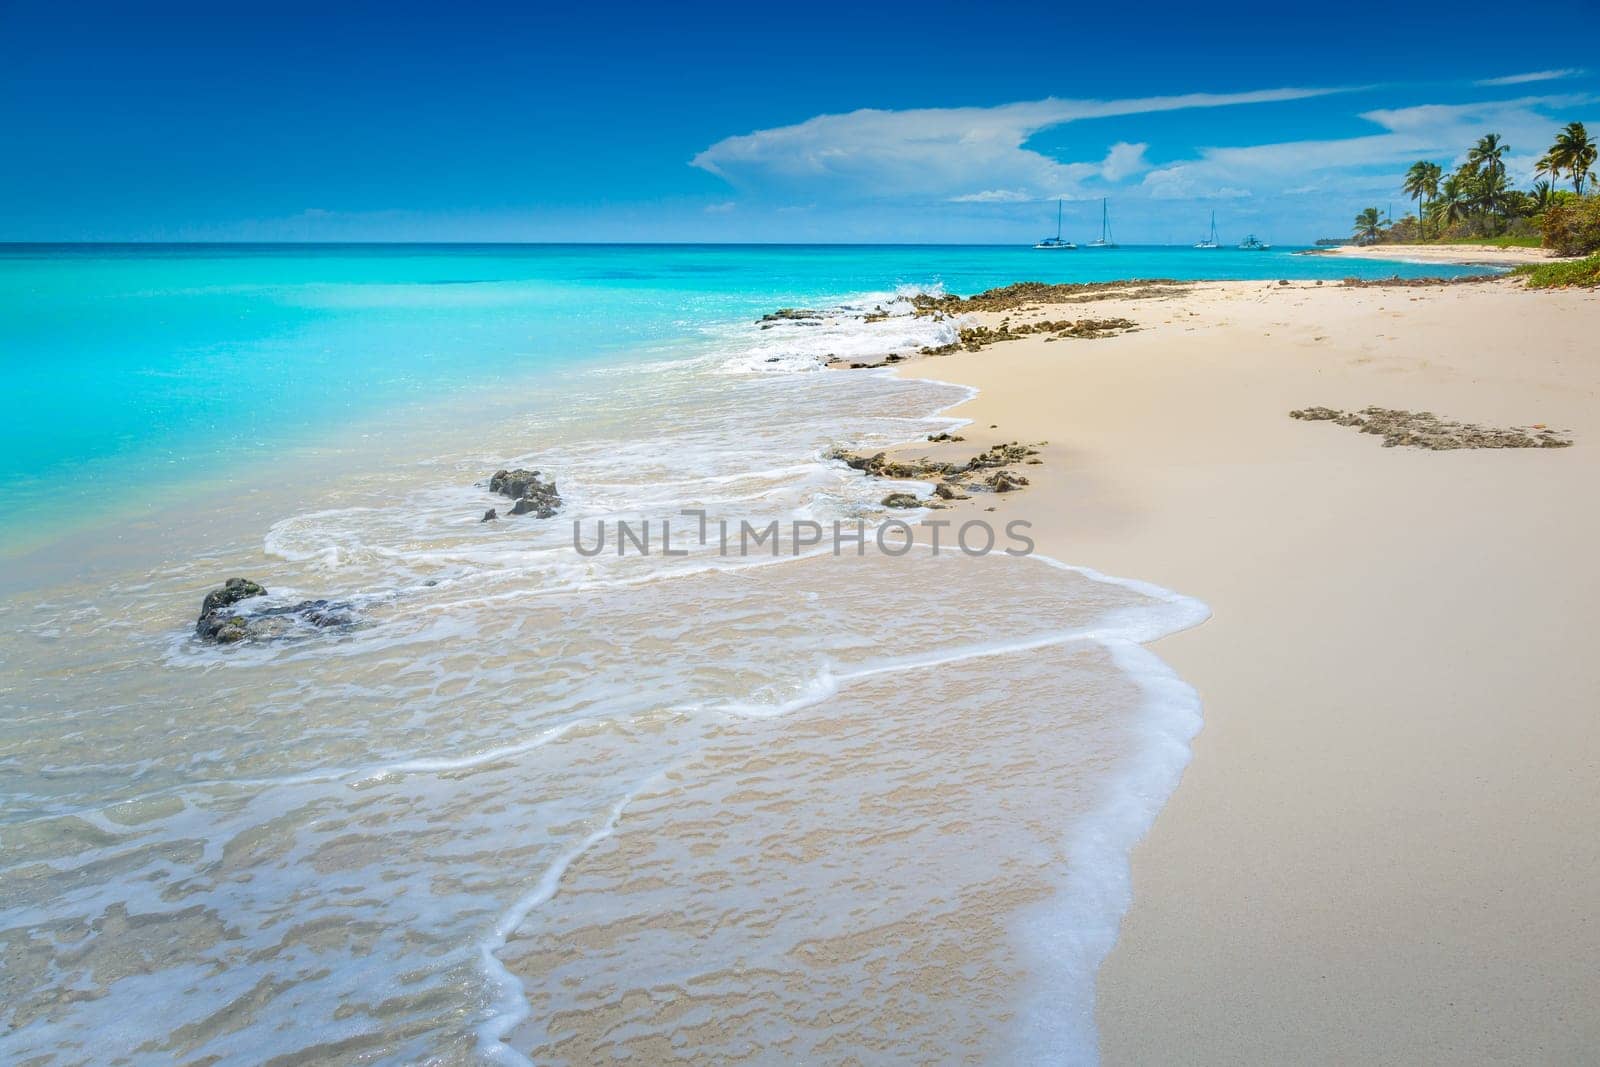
pixel 1383 849
pixel 1467 255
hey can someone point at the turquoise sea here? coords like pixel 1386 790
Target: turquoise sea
pixel 467 795
pixel 135 367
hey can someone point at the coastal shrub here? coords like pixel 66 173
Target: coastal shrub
pixel 1406 231
pixel 1526 230
pixel 1572 227
pixel 1583 272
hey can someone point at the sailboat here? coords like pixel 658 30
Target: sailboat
pixel 1056 241
pixel 1105 228
pixel 1211 239
pixel 1253 244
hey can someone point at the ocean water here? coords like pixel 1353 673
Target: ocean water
pixel 131 371
pixel 536 805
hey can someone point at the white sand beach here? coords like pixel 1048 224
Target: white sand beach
pixel 1384 848
pixel 1471 255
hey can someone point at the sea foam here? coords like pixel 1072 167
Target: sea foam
pixel 535 793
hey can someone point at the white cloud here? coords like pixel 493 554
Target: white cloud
pixel 972 153
pixel 1442 132
pixel 1123 161
pixel 1533 76
pixel 1189 181
pixel 994 196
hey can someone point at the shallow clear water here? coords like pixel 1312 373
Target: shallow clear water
pixel 133 369
pixel 535 805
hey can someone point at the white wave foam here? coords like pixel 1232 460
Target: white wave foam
pixel 510 1003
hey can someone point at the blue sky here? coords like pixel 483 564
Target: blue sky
pixel 919 123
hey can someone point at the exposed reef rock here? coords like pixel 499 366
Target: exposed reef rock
pixel 803 316
pixel 1025 294
pixel 976 338
pixel 532 495
pixel 1413 283
pixel 490 516
pixel 1005 481
pixel 1424 429
pixel 229 593
pixel 222 624
pixel 984 472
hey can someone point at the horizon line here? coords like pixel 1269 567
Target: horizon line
pixel 573 244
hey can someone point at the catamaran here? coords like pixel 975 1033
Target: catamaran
pixel 1056 241
pixel 1253 244
pixel 1105 228
pixel 1211 240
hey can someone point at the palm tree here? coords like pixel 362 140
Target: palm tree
pixel 1549 166
pixel 1369 226
pixel 1422 184
pixel 1454 198
pixel 1488 155
pixel 1574 153
pixel 1488 191
pixel 1544 194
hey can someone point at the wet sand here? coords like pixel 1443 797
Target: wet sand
pixel 1384 848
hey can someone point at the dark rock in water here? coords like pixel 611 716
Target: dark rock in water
pixel 513 483
pixel 222 628
pixel 788 314
pixel 216 622
pixel 230 592
pixel 532 495
pixel 221 625
pixel 945 437
pixel 219 622
pixel 489 516
pixel 538 507
pixel 901 500
pixel 319 613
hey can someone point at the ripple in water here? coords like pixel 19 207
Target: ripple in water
pixel 554 809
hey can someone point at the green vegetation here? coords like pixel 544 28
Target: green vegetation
pixel 1580 272
pixel 1572 226
pixel 1476 204
pixel 1369 225
pixel 1484 242
pixel 1572 153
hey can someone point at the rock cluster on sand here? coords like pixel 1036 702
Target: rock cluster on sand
pixel 219 622
pixel 1005 481
pixel 1023 294
pixel 532 494
pixel 951 478
pixel 1413 283
pixel 975 338
pixel 1424 429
